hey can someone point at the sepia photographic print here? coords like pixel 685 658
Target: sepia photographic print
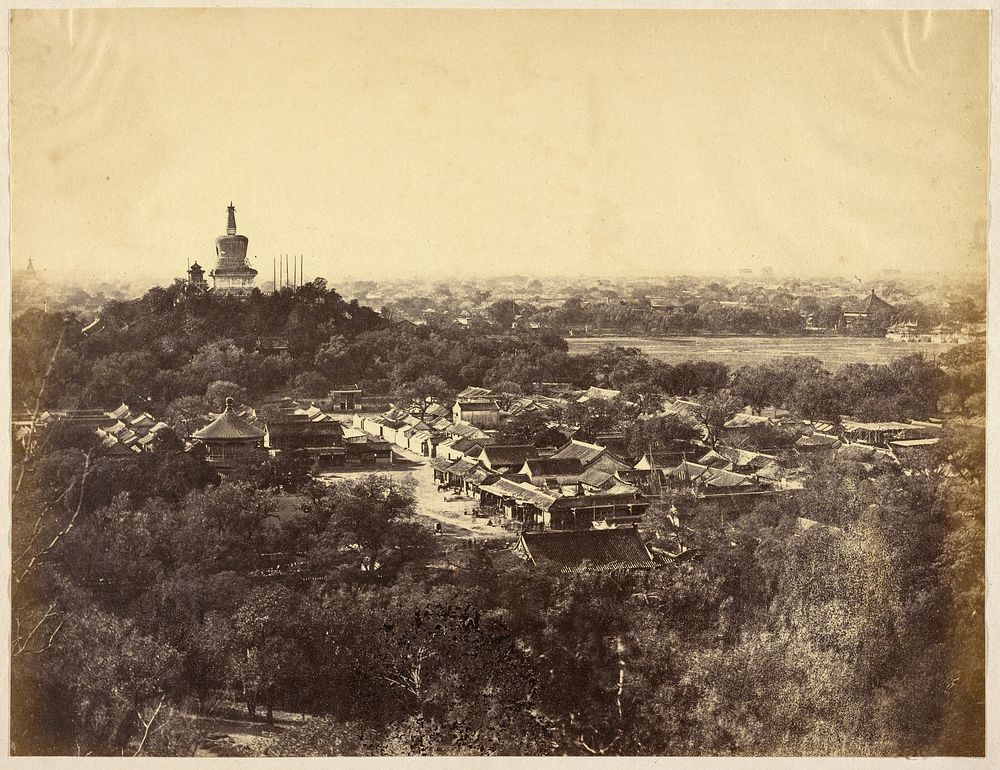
pixel 497 383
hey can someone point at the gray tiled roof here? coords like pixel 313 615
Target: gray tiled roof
pixel 596 549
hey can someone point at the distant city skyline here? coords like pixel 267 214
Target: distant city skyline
pixel 485 143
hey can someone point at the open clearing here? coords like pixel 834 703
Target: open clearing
pixel 454 516
pixel 834 352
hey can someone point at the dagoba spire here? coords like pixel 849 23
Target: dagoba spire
pixel 232 273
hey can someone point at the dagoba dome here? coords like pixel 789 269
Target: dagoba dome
pixel 232 273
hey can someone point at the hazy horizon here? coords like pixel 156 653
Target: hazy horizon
pixel 485 143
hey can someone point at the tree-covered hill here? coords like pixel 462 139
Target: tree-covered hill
pixel 149 595
pixel 173 343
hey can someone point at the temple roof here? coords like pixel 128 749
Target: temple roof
pixel 594 549
pixel 228 425
pixel 869 305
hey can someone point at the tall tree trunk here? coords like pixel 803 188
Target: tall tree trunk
pixel 620 690
pixel 270 715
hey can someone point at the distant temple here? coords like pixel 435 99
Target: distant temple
pixel 196 276
pixel 232 274
pixel 871 316
pixel 28 275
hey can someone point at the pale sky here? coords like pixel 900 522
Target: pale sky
pixel 379 142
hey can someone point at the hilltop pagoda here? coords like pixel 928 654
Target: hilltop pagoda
pixel 232 274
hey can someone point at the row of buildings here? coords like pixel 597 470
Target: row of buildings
pixel 588 481
pixel 121 431
pixel 290 427
pixel 954 334
pixel 582 482
pixel 235 435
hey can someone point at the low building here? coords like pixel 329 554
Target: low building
pixel 458 447
pixel 683 475
pixel 346 399
pixel 591 456
pixel 704 480
pixel 272 346
pixel 321 440
pixel 522 505
pixel 881 433
pixel 465 430
pixel 529 508
pixel 715 481
pixel 507 457
pixel 746 461
pixel 870 457
pixel 669 456
pixel 603 394
pixel 916 451
pixel 475 392
pixel 453 474
pixel 371 452
pixel 540 469
pixel 585 511
pixel 121 431
pixel 817 442
pixel 482 413
pixel 714 459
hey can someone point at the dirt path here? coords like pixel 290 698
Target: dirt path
pixel 454 516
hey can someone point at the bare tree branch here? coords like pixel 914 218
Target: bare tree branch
pixel 41 517
pixel 52 636
pixel 34 414
pixel 147 724
pixel 20 645
pixel 69 525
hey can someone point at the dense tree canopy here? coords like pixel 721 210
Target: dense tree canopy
pixel 846 617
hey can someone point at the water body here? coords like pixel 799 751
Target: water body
pixel 834 352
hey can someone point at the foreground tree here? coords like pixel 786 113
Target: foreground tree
pixel 423 392
pixel 528 427
pixel 370 528
pixel 714 411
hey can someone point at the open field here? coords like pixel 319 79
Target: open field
pixel 834 352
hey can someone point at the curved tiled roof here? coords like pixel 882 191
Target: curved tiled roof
pixel 715 477
pixel 508 454
pixel 524 493
pixel 595 477
pixel 462 465
pixel 595 549
pixel 554 466
pixel 228 425
pixel 686 471
pixel 583 451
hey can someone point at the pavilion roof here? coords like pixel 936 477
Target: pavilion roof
pixel 228 426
